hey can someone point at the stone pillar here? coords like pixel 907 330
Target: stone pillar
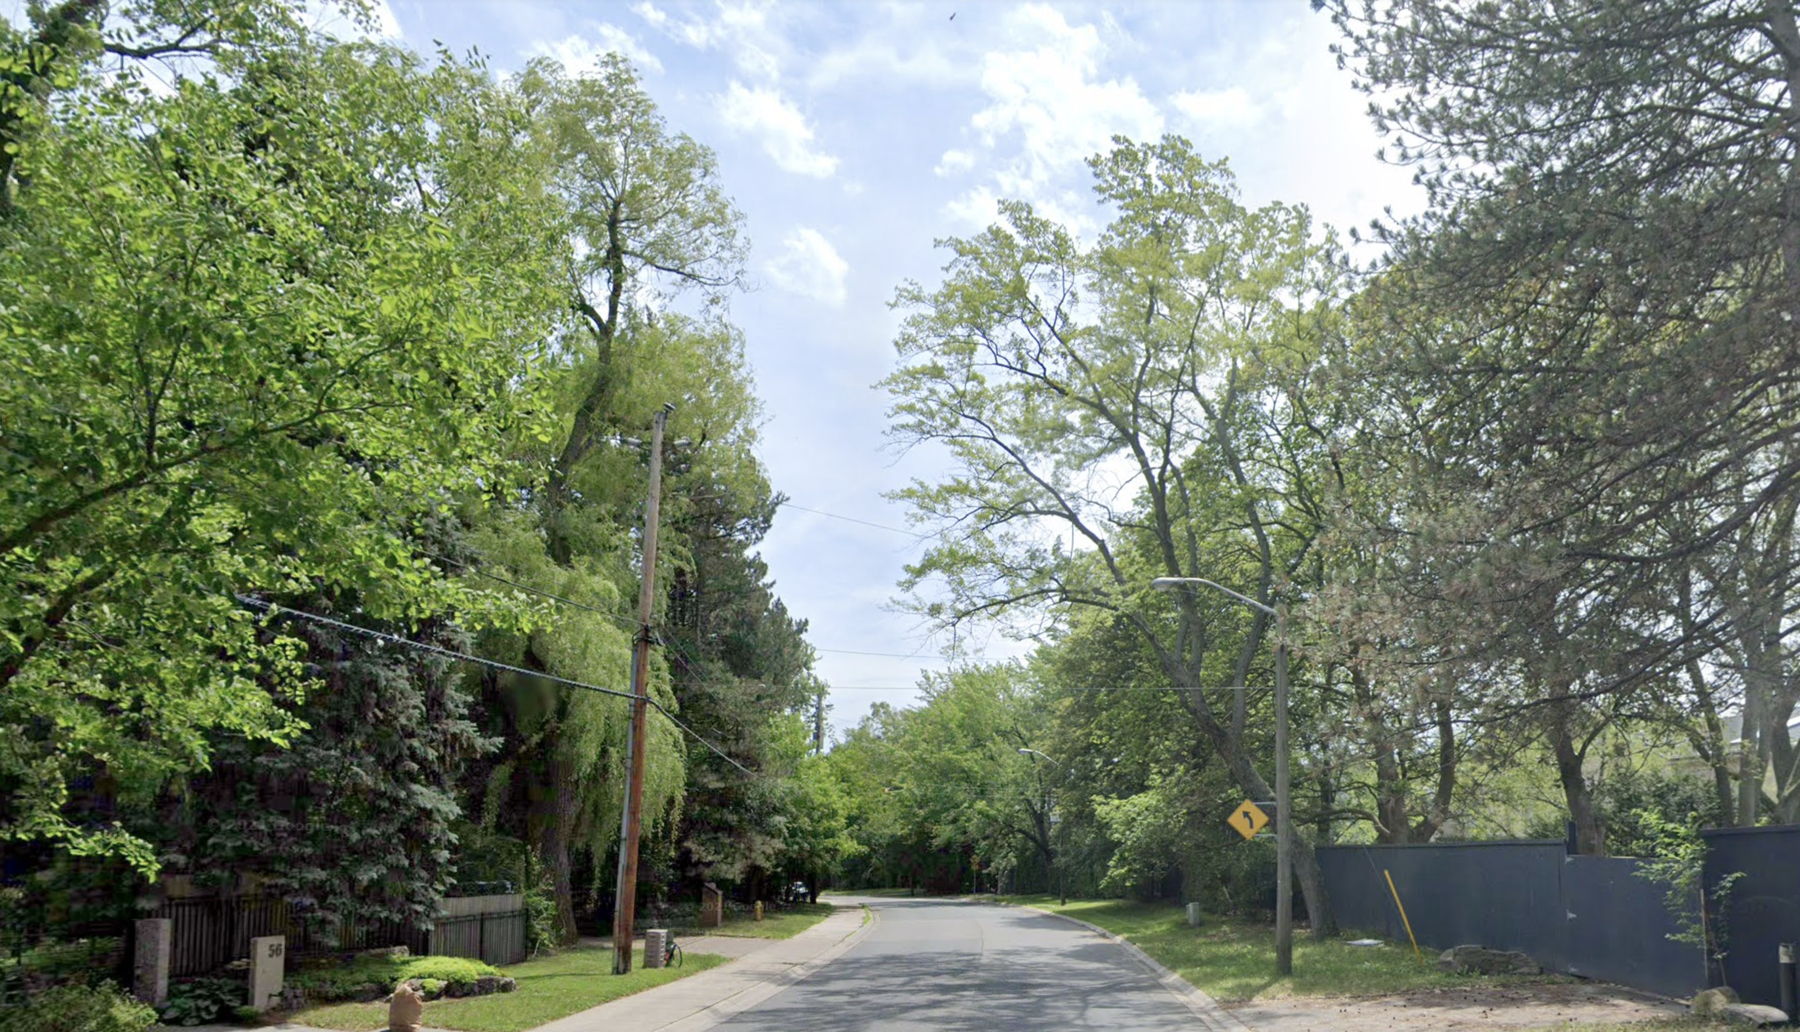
pixel 656 940
pixel 759 911
pixel 268 961
pixel 150 964
pixel 712 906
pixel 1193 915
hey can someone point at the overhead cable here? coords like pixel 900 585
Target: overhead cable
pixel 275 610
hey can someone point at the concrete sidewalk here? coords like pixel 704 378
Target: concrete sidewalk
pixel 701 1001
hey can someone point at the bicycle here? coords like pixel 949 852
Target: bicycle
pixel 672 955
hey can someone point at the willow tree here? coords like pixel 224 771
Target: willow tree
pixel 1127 409
pixel 641 219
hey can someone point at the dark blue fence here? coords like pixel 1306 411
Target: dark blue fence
pixel 1761 910
pixel 1587 916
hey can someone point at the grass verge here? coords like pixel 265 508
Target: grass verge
pixel 776 924
pixel 549 988
pixel 1233 960
pixel 1653 1025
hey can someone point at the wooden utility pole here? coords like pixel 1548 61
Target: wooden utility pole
pixel 625 911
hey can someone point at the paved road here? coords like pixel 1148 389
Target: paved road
pixel 949 965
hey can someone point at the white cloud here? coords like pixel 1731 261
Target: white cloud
pixel 809 266
pixel 581 51
pixel 787 138
pixel 953 162
pixel 1231 107
pixel 977 207
pixel 651 13
pixel 876 58
pixel 740 30
pixel 1050 107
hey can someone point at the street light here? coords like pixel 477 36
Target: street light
pixel 1062 875
pixel 1284 824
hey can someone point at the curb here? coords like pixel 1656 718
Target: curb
pixel 750 996
pixel 1212 1016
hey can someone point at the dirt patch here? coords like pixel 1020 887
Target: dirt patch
pixel 1451 1010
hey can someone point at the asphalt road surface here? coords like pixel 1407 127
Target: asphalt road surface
pixel 944 964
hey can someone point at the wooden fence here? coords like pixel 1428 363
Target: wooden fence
pixel 210 932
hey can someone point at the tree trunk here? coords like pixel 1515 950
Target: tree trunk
pixel 554 814
pixel 1590 839
pixel 1306 864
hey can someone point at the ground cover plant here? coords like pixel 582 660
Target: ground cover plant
pixel 549 988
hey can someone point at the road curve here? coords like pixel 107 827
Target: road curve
pixel 952 965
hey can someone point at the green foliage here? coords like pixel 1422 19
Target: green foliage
pixel 198 1001
pixel 444 969
pixel 1677 861
pixel 300 353
pixel 74 1008
pixel 344 981
pixel 63 961
pixel 539 903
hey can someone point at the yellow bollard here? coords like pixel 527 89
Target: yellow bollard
pixel 759 910
pixel 1402 906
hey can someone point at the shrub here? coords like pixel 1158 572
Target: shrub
pixel 344 981
pixel 445 969
pixel 78 1008
pixel 195 1001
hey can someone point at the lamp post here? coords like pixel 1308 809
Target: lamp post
pixel 1284 819
pixel 1062 876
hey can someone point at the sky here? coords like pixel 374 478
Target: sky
pixel 853 136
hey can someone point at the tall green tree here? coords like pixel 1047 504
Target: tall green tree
pixel 1171 358
pixel 259 326
pixel 1604 288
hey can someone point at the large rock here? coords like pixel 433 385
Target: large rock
pixel 1753 1014
pixel 1710 1003
pixel 507 985
pixel 1480 960
pixel 487 984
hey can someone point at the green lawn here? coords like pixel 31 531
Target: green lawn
pixel 776 924
pixel 549 988
pixel 1234 960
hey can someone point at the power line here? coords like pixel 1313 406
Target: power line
pixel 894 655
pixel 852 519
pixel 393 639
pixel 1088 688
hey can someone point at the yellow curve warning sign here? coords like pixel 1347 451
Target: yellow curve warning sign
pixel 1248 819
